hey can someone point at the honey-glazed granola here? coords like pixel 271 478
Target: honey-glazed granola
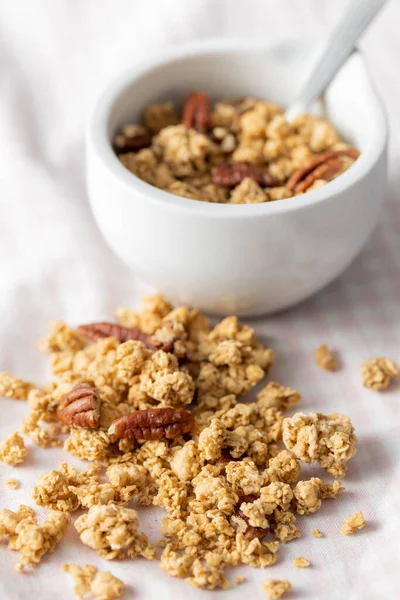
pixel 239 151
pixel 155 401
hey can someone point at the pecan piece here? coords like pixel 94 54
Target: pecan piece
pixel 96 331
pixel 231 175
pixel 153 424
pixel 80 407
pixel 131 143
pixel 250 531
pixel 197 112
pixel 327 171
pixel 226 457
pixel 295 181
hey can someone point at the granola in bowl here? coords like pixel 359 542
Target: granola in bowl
pixel 239 151
pixel 155 401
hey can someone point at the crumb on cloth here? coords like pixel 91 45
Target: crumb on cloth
pixel 12 483
pixel 301 562
pixel 317 533
pixel 326 359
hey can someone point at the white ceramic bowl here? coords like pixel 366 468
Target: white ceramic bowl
pixel 242 259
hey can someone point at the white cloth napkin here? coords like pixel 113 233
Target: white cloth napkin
pixel 55 56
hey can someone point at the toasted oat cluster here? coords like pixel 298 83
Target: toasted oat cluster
pixel 30 539
pixel 240 151
pixel 112 531
pixel 156 401
pixel 102 585
pixel 13 387
pixel 276 588
pixel 325 358
pixel 353 523
pixel 328 439
pixel 378 373
pixel 13 450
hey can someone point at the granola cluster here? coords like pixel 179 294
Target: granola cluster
pixel 112 531
pixel 13 450
pixel 102 585
pixel 276 588
pixel 353 523
pixel 328 439
pixel 239 151
pixel 30 539
pixel 378 373
pixel 157 407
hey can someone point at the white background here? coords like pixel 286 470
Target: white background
pixel 55 56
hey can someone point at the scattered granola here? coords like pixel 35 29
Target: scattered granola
pixel 276 588
pixel 238 152
pixel 155 403
pixel 325 358
pixel 317 533
pixel 11 483
pixel 239 579
pixel 301 562
pixel 13 450
pixel 378 373
pixel 352 523
pixel 102 584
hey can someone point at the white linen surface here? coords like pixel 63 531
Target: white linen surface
pixel 55 56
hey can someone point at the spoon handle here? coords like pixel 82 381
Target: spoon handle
pixel 338 48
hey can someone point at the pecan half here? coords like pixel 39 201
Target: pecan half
pixel 153 424
pixel 327 171
pixel 126 143
pixel 96 331
pixel 231 175
pixel 303 178
pixel 80 407
pixel 197 112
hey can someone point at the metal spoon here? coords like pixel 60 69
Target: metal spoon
pixel 337 50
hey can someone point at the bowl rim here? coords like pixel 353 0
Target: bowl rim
pixel 97 138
